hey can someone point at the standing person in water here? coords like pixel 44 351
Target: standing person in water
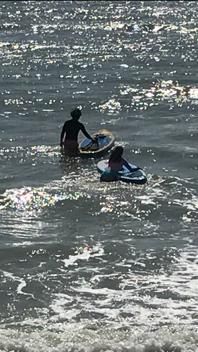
pixel 116 161
pixel 70 131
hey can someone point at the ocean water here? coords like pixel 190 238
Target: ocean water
pixel 84 265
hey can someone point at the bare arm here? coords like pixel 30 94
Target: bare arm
pixel 62 135
pixel 126 164
pixel 84 131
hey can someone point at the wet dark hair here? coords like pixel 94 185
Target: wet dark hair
pixel 76 113
pixel 116 154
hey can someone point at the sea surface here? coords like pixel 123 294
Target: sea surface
pixel 87 266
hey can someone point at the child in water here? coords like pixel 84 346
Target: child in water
pixel 69 134
pixel 115 164
pixel 116 161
